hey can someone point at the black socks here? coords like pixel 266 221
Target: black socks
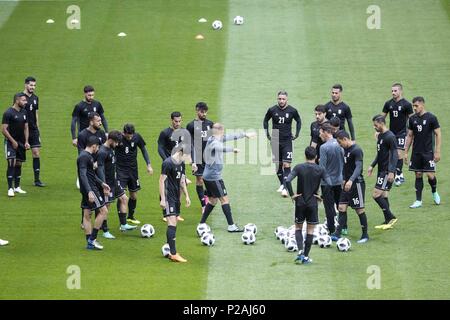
pixel 171 235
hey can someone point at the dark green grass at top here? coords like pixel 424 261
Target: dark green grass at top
pixel 158 68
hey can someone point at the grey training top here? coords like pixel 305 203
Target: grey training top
pixel 332 160
pixel 213 155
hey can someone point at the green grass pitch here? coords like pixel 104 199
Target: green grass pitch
pixel 301 46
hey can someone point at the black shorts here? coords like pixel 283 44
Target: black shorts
pixel 200 169
pixel 172 208
pixel 283 153
pixel 401 139
pixel 306 211
pixel 355 197
pixel 18 154
pixel 215 189
pixel 34 139
pixel 129 179
pixel 116 191
pixel 382 182
pixel 99 200
pixel 422 162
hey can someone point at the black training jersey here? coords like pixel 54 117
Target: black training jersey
pixel 399 111
pixel 352 156
pixel 106 164
pixel 16 121
pixel 309 176
pixel 82 110
pixel 31 107
pixel 199 130
pixel 282 120
pixel 169 139
pixel 315 134
pixel 84 136
pixel 126 152
pixel 174 172
pixel 86 173
pixel 386 152
pixel 340 110
pixel 423 130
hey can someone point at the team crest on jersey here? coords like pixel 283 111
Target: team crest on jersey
pixel 208 127
pixel 95 109
pixel 132 144
pixel 287 115
pixel 25 118
pixel 34 101
pixel 424 122
pixel 399 108
pixel 339 111
pixel 31 107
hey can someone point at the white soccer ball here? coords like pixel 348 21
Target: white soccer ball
pixel 248 237
pixel 165 250
pixel 291 245
pixel 281 235
pixel 202 228
pixel 208 239
pixel 322 229
pixel 147 231
pixel 343 244
pixel 324 241
pixel 278 230
pixel 238 20
pixel 251 227
pixel 316 236
pixel 217 24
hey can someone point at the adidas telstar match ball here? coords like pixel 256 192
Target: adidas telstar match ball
pixel 291 245
pixel 217 25
pixel 208 239
pixel 238 20
pixel 248 237
pixel 343 244
pixel 251 227
pixel 202 228
pixel 147 231
pixel 165 250
pixel 324 241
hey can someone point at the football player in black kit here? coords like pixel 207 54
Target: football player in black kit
pixel 80 114
pixel 320 115
pixel 200 130
pixel 423 126
pixel 171 183
pixel 15 130
pixel 386 159
pixel 127 166
pixel 170 138
pixel 309 176
pixel 94 129
pixel 93 191
pixel 282 114
pixel 399 110
pixel 34 138
pixel 353 187
pixel 338 108
pixel 106 171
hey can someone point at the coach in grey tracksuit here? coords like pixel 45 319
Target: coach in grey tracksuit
pixel 332 160
pixel 212 175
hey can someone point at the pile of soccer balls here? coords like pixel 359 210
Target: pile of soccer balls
pixel 217 24
pixel 321 238
pixel 206 236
